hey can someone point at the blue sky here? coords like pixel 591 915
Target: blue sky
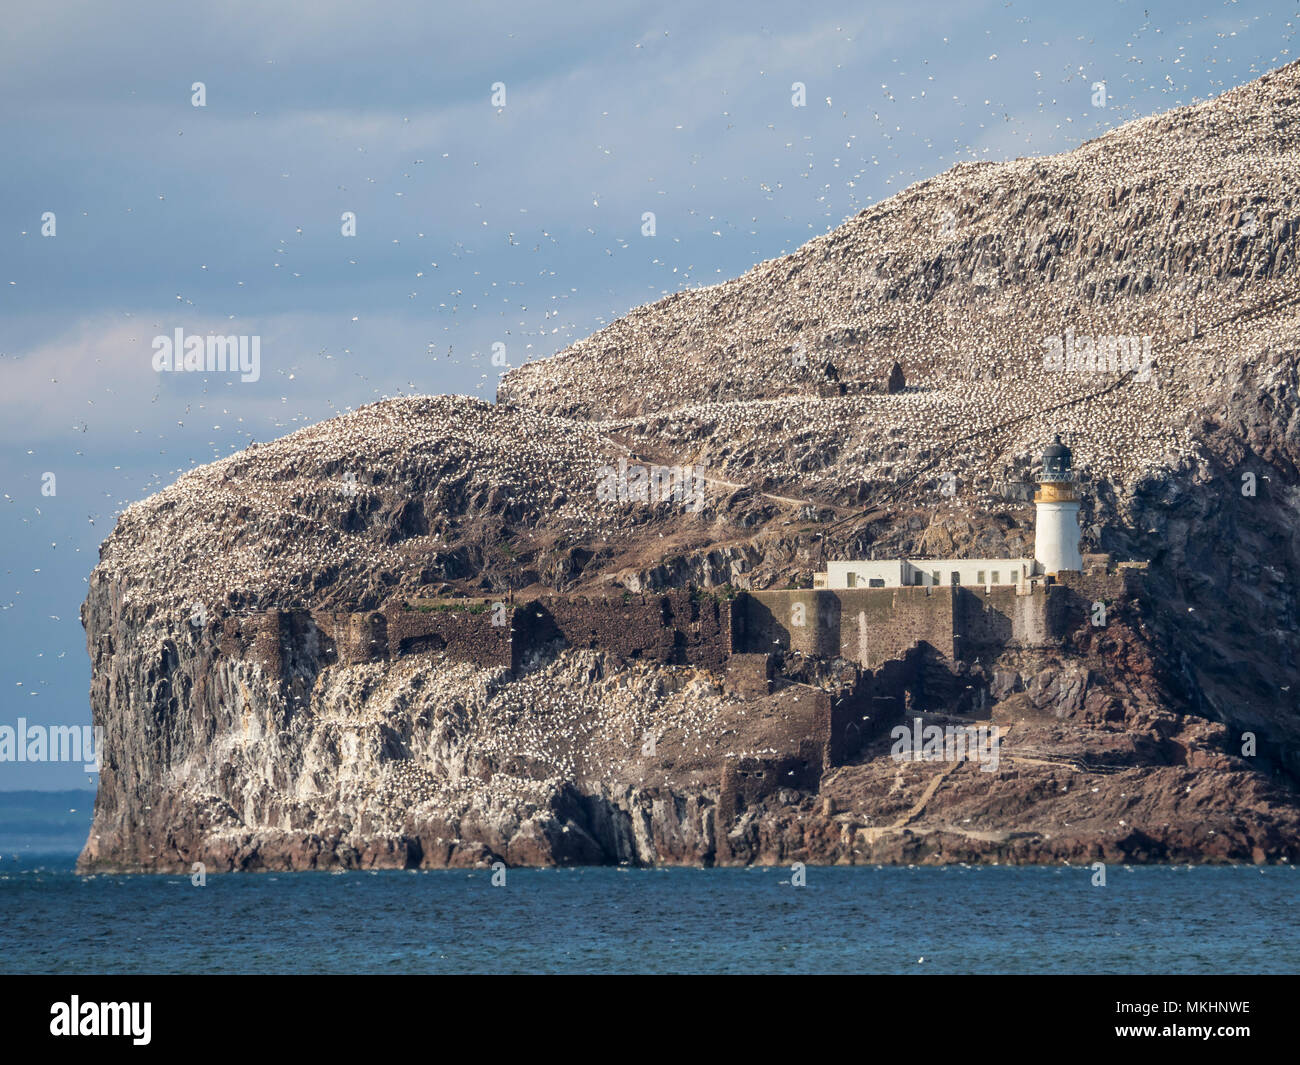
pixel 476 224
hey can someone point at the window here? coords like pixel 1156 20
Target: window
pixel 997 577
pixel 853 580
pixel 979 577
pixel 935 576
pixel 876 582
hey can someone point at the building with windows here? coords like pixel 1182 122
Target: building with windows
pixel 926 572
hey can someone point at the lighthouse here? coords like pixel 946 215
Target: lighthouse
pixel 1056 527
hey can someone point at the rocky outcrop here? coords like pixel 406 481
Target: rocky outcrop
pixel 1170 732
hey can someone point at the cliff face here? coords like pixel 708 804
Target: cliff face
pixel 248 747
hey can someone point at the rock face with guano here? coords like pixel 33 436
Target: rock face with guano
pixel 294 654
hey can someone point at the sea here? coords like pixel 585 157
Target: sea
pixel 892 920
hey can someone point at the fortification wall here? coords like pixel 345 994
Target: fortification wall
pixel 638 626
pixel 794 738
pixel 352 638
pixel 853 714
pixel 478 633
pixel 1124 583
pixel 806 731
pixel 991 621
pixel 674 628
pixel 286 643
pixel 264 635
pixel 869 626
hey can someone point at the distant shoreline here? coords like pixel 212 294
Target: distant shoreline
pixel 50 823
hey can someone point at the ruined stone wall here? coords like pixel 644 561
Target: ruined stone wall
pixel 288 642
pixel 234 640
pixel 675 628
pixel 478 633
pixel 868 626
pixel 635 626
pixel 351 638
pixel 795 735
pixel 857 714
pixel 807 731
pixel 282 642
pixel 263 635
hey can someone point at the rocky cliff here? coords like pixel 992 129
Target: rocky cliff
pixel 1161 258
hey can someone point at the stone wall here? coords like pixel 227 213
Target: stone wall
pixel 479 633
pixel 750 675
pixel 1125 583
pixel 792 723
pixel 873 626
pixel 869 626
pixel 806 731
pixel 1000 619
pixel 674 628
pixel 352 638
pixel 286 643
pixel 862 711
pixel 990 622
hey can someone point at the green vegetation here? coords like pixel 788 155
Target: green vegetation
pixel 469 606
pixel 719 595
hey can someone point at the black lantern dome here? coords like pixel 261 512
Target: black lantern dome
pixel 1057 461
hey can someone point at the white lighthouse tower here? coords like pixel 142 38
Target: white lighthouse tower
pixel 1056 527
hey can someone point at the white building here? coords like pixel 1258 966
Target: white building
pixel 926 572
pixel 1056 546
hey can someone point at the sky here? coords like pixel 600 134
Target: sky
pixel 499 161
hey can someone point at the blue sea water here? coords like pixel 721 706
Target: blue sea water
pixel 1179 919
